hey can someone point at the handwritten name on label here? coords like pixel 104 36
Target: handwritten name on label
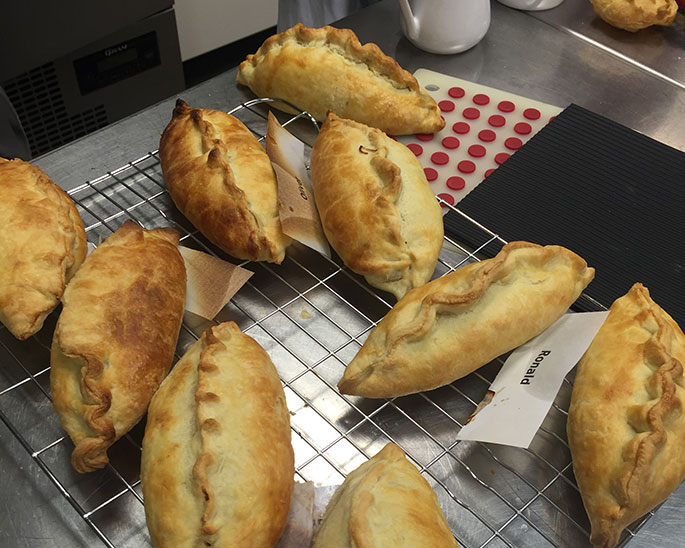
pixel 530 373
pixel 529 380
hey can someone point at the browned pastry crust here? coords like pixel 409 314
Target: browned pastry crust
pixel 626 427
pixel 453 325
pixel 327 68
pixel 217 467
pixel 385 502
pixel 42 245
pixel 221 179
pixel 115 337
pixel 377 209
pixel 634 15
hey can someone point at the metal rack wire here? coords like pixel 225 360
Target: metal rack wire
pixel 311 314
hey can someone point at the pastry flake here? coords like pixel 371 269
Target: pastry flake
pixel 322 69
pixel 455 324
pixel 217 466
pixel 385 502
pixel 377 209
pixel 626 425
pixel 115 338
pixel 221 179
pixel 42 245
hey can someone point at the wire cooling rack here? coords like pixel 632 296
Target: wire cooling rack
pixel 311 314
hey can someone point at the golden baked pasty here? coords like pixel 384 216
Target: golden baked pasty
pixel 453 325
pixel 329 69
pixel 115 338
pixel 217 466
pixel 626 427
pixel 377 209
pixel 385 502
pixel 42 245
pixel 221 179
pixel 634 15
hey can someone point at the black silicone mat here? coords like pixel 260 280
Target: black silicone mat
pixel 612 195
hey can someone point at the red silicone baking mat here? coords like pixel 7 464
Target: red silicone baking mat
pixel 484 127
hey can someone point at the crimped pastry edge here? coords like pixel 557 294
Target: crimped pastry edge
pixel 385 169
pixel 606 533
pixel 486 272
pixel 369 53
pixel 90 453
pixel 259 246
pixel 72 225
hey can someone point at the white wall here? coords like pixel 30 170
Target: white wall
pixel 204 25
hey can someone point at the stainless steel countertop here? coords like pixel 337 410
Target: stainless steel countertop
pixel 560 56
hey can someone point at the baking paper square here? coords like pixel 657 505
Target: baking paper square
pixel 523 391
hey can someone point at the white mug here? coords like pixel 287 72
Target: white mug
pixel 531 5
pixel 445 26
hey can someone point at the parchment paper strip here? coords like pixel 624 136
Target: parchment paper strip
pixel 296 206
pixel 211 282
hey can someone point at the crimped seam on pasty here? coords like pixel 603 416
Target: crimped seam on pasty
pixel 384 351
pixel 649 420
pixel 345 43
pixel 224 213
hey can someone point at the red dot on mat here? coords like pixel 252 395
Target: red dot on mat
pixel 487 135
pixel 523 128
pixel 456 183
pixel 450 142
pixel 531 113
pixel 446 106
pixel 481 99
pixel 489 172
pixel 496 120
pixel 431 174
pixel 471 113
pixel 416 148
pixel 506 106
pixel 447 198
pixel 552 118
pixel 477 151
pixel 513 143
pixel 501 158
pixel 424 136
pixel 466 166
pixel 461 128
pixel 440 158
pixel 457 93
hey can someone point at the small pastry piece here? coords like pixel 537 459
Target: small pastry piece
pixel 377 209
pixel 385 502
pixel 221 179
pixel 217 467
pixel 328 69
pixel 634 15
pixel 626 427
pixel 42 245
pixel 455 324
pixel 115 337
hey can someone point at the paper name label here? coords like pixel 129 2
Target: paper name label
pixel 296 207
pixel 520 397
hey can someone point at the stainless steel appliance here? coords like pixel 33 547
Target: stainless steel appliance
pixel 90 66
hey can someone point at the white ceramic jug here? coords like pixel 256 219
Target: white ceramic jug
pixel 531 5
pixel 445 26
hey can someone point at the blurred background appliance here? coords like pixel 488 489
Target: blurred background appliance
pixel 72 67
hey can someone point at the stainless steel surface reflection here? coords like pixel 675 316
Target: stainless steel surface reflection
pixel 493 496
